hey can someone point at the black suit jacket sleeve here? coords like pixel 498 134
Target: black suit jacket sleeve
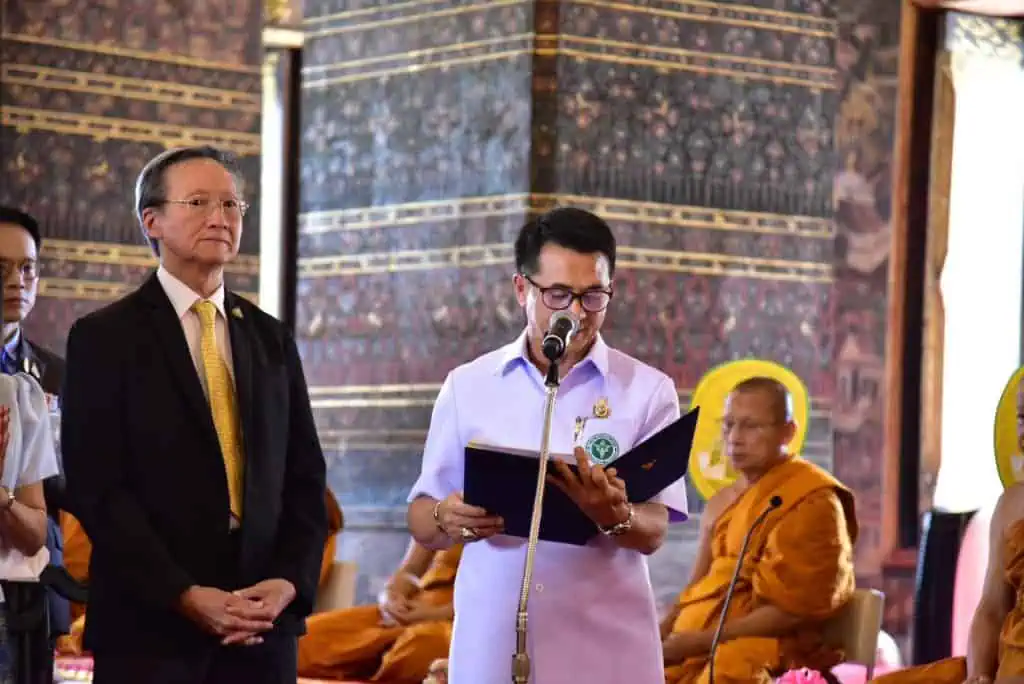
pixel 93 445
pixel 302 529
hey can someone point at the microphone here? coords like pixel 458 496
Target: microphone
pixel 560 332
pixel 773 503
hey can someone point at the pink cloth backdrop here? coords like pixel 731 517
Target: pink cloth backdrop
pixel 970 577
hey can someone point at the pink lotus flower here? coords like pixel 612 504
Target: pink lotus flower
pixel 802 676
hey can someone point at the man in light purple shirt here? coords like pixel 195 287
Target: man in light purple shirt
pixel 592 615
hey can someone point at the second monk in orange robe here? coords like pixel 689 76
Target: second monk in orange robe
pixel 995 646
pixel 395 642
pixel 798 569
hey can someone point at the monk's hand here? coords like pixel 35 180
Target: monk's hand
pixel 599 493
pixel 680 646
pixel 465 523
pixel 225 615
pixel 423 613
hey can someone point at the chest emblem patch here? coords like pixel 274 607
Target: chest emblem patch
pixel 602 448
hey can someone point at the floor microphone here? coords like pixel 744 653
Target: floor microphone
pixel 773 503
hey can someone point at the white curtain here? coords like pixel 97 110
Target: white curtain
pixel 271 190
pixel 981 281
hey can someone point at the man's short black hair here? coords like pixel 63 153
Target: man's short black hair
pixel 151 186
pixel 568 227
pixel 23 219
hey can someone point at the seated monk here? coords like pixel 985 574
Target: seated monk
pixel 396 641
pixel 798 568
pixel 995 644
pixel 78 550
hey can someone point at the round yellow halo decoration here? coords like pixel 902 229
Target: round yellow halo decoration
pixel 709 468
pixel 1007 450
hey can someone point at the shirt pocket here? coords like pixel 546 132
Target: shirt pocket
pixel 606 439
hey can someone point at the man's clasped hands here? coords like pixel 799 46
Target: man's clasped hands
pixel 238 617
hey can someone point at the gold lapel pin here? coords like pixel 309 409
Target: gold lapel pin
pixel 237 313
pixel 601 408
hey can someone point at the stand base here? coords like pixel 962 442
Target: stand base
pixel 520 668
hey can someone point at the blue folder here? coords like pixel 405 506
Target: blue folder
pixel 504 481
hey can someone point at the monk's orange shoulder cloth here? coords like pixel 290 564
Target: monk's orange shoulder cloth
pixel 800 559
pixel 335 523
pixel 1011 637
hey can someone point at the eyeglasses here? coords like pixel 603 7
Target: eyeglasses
pixel 204 206
pixel 560 298
pixel 28 269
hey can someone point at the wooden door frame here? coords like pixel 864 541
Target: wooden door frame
pixel 913 209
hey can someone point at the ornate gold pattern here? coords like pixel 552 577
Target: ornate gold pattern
pixel 576 47
pixel 475 256
pixel 66 288
pixel 132 88
pixel 612 209
pixel 126 255
pixel 993 37
pixel 130 53
pixel 103 128
pixel 744 16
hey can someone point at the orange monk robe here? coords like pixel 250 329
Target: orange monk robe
pixel 1011 637
pixel 354 643
pixel 800 560
pixel 335 523
pixel 78 550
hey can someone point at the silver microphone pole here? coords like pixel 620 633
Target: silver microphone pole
pixel 521 659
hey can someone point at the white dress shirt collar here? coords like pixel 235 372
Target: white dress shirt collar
pixel 183 297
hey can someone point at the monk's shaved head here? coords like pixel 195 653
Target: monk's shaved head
pixel 757 426
pixel 781 401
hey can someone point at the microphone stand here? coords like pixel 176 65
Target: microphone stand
pixel 521 660
pixel 776 501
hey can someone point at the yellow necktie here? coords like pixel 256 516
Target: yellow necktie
pixel 222 403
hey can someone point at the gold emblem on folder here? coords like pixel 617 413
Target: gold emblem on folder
pixel 601 408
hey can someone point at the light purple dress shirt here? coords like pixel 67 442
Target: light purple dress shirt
pixel 592 615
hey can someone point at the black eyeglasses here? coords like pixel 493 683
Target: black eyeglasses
pixel 560 298
pixel 28 269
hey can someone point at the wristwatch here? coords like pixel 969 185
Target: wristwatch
pixel 620 528
pixel 9 501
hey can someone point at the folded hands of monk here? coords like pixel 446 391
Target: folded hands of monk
pixel 599 493
pixel 680 646
pixel 411 614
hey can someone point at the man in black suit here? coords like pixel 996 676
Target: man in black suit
pixel 20 243
pixel 191 456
